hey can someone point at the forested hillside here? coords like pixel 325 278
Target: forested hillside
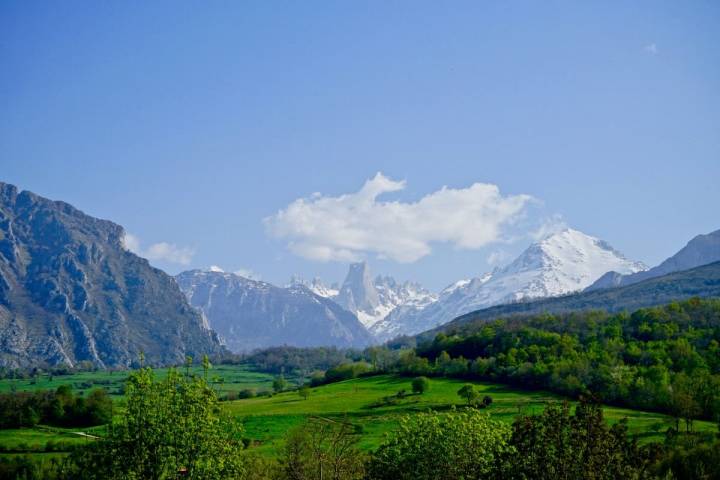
pixel 661 358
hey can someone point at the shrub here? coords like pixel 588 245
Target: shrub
pixel 420 385
pixel 247 393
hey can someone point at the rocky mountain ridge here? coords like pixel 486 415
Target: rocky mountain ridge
pixel 70 292
pixel 249 314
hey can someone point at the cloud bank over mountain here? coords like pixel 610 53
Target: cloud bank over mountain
pixel 349 226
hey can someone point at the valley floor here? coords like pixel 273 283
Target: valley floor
pixel 360 402
pixel 370 404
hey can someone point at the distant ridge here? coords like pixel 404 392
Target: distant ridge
pixel 250 314
pixel 702 281
pixel 701 250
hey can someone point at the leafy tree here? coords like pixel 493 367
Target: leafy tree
pixel 99 407
pixel 322 449
pixel 420 385
pixel 304 392
pixel 171 426
pixel 689 457
pixel 279 384
pixel 469 393
pixel 560 445
pixel 487 400
pixel 449 446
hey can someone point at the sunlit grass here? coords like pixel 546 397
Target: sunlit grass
pixel 359 401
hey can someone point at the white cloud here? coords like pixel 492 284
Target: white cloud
pixel 651 48
pixel 162 251
pixel 550 225
pixel 349 226
pixel 215 268
pixel 498 257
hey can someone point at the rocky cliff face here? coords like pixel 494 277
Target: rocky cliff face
pixel 70 292
pixel 250 314
pixel 358 292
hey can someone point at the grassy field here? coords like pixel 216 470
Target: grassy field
pixel 234 378
pixel 360 402
pixel 227 378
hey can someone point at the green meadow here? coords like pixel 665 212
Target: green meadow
pixel 224 378
pixel 360 402
pixel 370 404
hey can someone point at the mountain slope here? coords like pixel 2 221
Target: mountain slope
pixel 701 281
pixel 701 250
pixel 250 314
pixel 70 292
pixel 565 262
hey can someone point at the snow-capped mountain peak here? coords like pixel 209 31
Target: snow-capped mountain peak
pixel 564 262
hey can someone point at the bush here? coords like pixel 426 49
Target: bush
pixel 420 385
pixel 317 378
pixel 247 393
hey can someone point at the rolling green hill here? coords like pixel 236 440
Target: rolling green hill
pixel 362 402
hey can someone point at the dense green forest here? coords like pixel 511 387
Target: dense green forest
pixel 663 358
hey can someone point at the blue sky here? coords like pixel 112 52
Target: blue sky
pixel 189 123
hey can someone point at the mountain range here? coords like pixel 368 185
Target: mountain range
pixel 702 281
pixel 249 314
pixel 564 262
pixel 373 299
pixel 70 292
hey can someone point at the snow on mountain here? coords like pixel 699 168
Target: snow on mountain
pixel 564 262
pixel 316 286
pixel 371 300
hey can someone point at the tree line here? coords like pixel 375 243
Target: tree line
pixel 60 407
pixel 664 359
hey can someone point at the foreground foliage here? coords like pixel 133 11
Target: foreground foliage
pixel 171 427
pixel 456 445
pixel 560 445
pixel 322 448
